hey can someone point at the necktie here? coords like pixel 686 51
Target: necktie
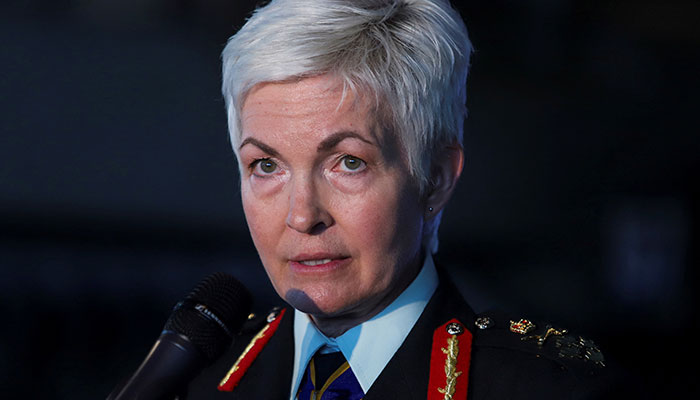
pixel 329 377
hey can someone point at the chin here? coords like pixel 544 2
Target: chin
pixel 317 304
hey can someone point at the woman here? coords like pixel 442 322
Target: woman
pixel 346 118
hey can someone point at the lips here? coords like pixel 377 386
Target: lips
pixel 315 257
pixel 313 263
pixel 318 262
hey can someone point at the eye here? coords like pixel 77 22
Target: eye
pixel 264 166
pixel 352 164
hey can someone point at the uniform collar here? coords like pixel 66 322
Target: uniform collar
pixel 369 346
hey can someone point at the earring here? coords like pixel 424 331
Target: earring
pixel 430 209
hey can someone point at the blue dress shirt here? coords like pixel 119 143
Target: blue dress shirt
pixel 368 347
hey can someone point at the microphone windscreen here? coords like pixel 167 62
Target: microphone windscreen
pixel 211 314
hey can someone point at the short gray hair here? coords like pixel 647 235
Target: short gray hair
pixel 413 55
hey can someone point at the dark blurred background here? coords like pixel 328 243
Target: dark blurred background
pixel 118 189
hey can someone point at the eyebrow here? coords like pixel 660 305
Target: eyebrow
pixel 255 142
pixel 333 140
pixel 325 145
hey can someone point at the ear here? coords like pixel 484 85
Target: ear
pixel 446 167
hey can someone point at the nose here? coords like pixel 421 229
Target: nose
pixel 307 212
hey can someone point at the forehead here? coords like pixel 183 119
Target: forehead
pixel 316 102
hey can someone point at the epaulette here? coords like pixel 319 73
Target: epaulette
pixel 266 328
pixel 545 340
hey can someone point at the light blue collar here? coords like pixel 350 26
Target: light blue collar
pixel 369 346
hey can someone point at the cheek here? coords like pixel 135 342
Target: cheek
pixel 262 220
pixel 264 188
pixel 350 184
pixel 384 223
pixel 263 225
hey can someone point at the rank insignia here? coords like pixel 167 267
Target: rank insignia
pixel 522 326
pixel 580 348
pixel 548 332
pixel 449 362
pixel 246 358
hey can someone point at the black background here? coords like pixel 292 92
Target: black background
pixel 118 190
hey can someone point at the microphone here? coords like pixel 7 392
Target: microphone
pixel 198 331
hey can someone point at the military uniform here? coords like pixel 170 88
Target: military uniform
pixel 507 358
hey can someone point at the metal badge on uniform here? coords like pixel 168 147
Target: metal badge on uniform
pixel 483 322
pixel 454 328
pixel 273 314
pixel 523 326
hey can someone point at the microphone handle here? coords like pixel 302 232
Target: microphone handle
pixel 170 365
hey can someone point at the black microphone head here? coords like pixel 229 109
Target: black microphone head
pixel 211 314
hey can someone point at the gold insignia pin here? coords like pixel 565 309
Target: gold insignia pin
pixel 522 327
pixel 451 373
pixel 549 331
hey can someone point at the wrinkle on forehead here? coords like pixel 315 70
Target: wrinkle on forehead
pixel 308 92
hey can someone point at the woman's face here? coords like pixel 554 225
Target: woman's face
pixel 333 212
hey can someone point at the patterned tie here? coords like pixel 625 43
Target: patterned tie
pixel 329 377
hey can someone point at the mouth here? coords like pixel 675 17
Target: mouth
pixel 313 263
pixel 318 262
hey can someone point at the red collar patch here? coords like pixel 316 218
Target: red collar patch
pixel 449 362
pixel 246 358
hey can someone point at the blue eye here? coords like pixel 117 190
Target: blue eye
pixel 352 164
